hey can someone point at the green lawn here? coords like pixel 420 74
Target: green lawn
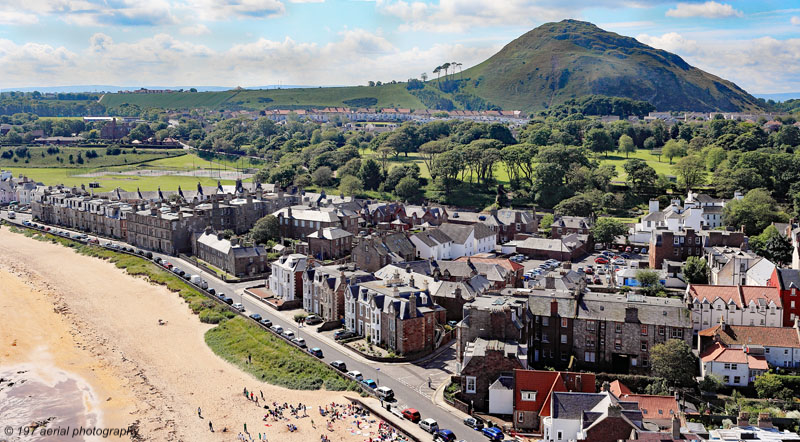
pixel 618 160
pixel 40 158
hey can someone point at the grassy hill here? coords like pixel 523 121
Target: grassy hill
pixel 543 68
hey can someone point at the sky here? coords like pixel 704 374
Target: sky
pixel 247 43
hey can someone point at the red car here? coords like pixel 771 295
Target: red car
pixel 588 271
pixel 600 260
pixel 411 414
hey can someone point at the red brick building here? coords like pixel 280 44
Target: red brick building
pixel 330 243
pixel 678 246
pixel 788 283
pixel 533 390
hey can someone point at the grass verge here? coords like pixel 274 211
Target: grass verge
pixel 234 338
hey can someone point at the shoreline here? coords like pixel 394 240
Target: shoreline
pixel 159 375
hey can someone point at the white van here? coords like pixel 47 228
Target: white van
pixel 12 214
pixel 429 425
pixel 198 281
pixel 385 393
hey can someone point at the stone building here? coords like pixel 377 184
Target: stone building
pixel 492 317
pixel 229 255
pixel 324 287
pixel 373 252
pixel 330 243
pixel 484 362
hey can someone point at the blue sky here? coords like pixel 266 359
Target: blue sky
pixel 343 42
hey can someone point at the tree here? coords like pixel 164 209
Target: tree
pixel 626 145
pixel 370 174
pixel 674 148
pixel 351 185
pixel 605 230
pixel 772 245
pixel 674 361
pixel 547 222
pixel 755 211
pixel 711 383
pixel 640 175
pixel 768 385
pixel 691 171
pixel 384 152
pixel 598 140
pixel 322 177
pixel 695 270
pixel 408 189
pixel 649 282
pixel 266 229
pixel 658 387
pixel 430 150
pixel 578 205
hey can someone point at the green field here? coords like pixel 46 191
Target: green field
pixel 40 158
pixel 618 160
pixel 389 95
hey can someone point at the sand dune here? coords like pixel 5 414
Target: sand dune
pixel 95 321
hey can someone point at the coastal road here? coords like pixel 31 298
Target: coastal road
pixel 407 380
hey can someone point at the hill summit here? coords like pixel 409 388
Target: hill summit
pixel 559 61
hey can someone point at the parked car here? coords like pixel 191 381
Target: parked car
pixel 148 255
pixel 628 249
pixel 411 414
pixel 597 280
pixel 313 319
pixel 255 316
pixel 228 300
pixel 277 329
pixel 211 291
pixel 385 393
pixel 619 261
pixel 635 250
pixel 473 422
pixel 429 425
pixel 339 365
pixel 238 306
pixel 369 383
pixel 625 255
pixel 643 251
pixel 355 375
pixel 167 264
pixel 588 271
pixel 493 433
pixel 266 322
pixel 343 334
pixel 444 436
pixel 316 351
pixel 601 260
pixel 288 334
pixel 300 342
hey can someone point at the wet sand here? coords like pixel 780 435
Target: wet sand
pixel 84 321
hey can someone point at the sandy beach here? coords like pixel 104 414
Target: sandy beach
pixel 82 320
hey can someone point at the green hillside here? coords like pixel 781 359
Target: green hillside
pixel 570 59
pixel 541 69
pixel 388 95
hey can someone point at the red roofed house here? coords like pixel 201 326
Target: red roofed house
pixel 734 366
pixel 780 346
pixel 788 283
pixel 533 390
pixel 735 304
pixel 656 409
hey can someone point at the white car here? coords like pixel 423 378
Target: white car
pixel 238 306
pixel 277 329
pixel 355 375
pixel 288 334
pixel 619 262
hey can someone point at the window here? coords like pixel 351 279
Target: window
pixel 644 346
pixel 726 379
pixel 589 356
pixel 564 322
pixel 545 321
pixel 737 379
pixel 786 351
pixel 644 330
pixel 563 339
pixel 617 344
pixel 471 384
pixel 677 333
pixel 528 395
pixel 766 350
pixel 645 361
pixel 697 240
pixel 618 328
pixel 545 337
pixel 590 324
pixel 734 366
pixel 559 435
pixel 520 417
pixel 661 330
pixel 676 241
pixel 590 342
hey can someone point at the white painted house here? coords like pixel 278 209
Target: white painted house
pixel 735 305
pixel 286 280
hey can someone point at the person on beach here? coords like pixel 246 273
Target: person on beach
pixel 210 427
pixel 199 413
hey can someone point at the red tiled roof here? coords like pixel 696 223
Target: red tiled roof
pixel 741 295
pixel 654 407
pixel 720 353
pixel 752 335
pixel 619 389
pixel 507 263
pixel 544 383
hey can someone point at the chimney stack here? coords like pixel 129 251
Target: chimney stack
pixel 764 420
pixel 412 305
pixel 676 427
pixel 743 420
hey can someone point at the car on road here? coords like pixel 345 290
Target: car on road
pixel 288 334
pixel 343 334
pixel 411 414
pixel 11 214
pixel 211 291
pixel 597 280
pixel 444 436
pixel 628 249
pixel 167 264
pixel 339 365
pixel 625 255
pixel 300 342
pixel 601 260
pixel 313 320
pixel 370 383
pixel 316 351
pixel 266 322
pixel 277 329
pixel 588 271
pixel 473 422
pixel 355 375
pixel 619 261
pixel 385 393
pixel 238 306
pixel 228 300
pixel 493 433
pixel 255 316
pixel 429 425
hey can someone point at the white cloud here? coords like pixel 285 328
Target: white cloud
pixel 306 1
pixel 12 17
pixel 198 29
pixel 710 9
pixel 354 57
pixel 226 9
pixel 795 20
pixel 90 12
pixel 759 65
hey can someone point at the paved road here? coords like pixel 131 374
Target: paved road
pixel 408 380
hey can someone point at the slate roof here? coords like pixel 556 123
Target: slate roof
pixel 572 405
pixel 789 278
pixel 572 222
pixel 330 233
pixel 433 237
pixel 308 214
pixel 460 232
